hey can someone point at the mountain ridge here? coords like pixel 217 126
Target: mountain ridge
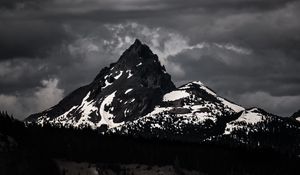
pixel 135 95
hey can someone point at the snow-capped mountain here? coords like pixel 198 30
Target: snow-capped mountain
pixel 124 91
pixel 135 95
pixel 192 104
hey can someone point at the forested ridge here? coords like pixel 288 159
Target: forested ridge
pixel 37 146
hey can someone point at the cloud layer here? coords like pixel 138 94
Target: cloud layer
pixel 43 97
pixel 247 51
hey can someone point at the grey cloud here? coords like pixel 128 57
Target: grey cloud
pixel 30 39
pixel 241 73
pixel 22 105
pixel 37 36
pixel 19 4
pixel 245 76
pixel 284 105
pixel 232 5
pixel 109 11
pixel 72 63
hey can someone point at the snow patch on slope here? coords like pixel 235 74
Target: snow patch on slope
pixel 233 106
pixel 63 119
pixel 139 64
pixel 128 90
pixel 197 82
pixel 159 109
pixel 251 116
pixel 129 73
pixel 119 75
pixel 175 95
pixel 208 91
pixel 226 103
pixel 106 84
pixel 248 117
pixel 106 117
pixel 86 108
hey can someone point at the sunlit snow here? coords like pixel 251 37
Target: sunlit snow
pixel 128 90
pixel 119 75
pixel 175 95
pixel 106 117
pixel 247 117
pixel 129 73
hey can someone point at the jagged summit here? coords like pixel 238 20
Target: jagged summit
pixel 139 48
pixel 137 55
pixel 136 45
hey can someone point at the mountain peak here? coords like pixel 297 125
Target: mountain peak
pixel 137 42
pixel 136 46
pixel 138 52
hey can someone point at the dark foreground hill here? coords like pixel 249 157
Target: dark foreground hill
pixel 51 150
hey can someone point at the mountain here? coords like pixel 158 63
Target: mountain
pixel 192 105
pixel 124 91
pixel 136 96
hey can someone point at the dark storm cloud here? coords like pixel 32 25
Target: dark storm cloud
pixel 252 81
pixel 251 5
pixel 243 73
pixel 14 4
pixel 110 10
pixel 62 40
pixel 30 39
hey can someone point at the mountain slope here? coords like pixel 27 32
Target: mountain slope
pixel 249 117
pixel 191 106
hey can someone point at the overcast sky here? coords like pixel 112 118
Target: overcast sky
pixel 246 50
